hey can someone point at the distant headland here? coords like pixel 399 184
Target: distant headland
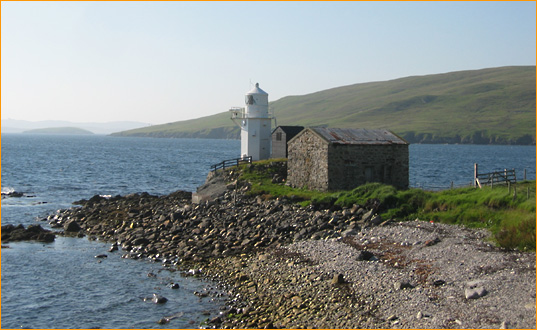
pixel 59 130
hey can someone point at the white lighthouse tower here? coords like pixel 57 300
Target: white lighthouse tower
pixel 255 123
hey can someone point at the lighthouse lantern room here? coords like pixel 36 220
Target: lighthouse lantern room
pixel 255 122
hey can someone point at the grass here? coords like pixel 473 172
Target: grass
pixel 260 177
pixel 511 219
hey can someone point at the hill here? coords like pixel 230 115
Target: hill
pixel 59 130
pixel 488 106
pixel 19 126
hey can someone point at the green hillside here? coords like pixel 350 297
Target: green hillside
pixel 494 105
pixel 59 130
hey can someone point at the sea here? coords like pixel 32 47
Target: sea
pixel 63 285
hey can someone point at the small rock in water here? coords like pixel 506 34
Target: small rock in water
pixel 158 299
pixel 174 286
pixel 101 256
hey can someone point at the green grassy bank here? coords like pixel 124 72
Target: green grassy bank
pixel 510 218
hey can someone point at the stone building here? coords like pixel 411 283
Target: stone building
pixel 280 136
pixel 328 159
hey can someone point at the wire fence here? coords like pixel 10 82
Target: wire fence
pixel 432 187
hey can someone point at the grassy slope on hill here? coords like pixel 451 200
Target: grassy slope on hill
pixel 510 219
pixel 457 107
pixel 481 106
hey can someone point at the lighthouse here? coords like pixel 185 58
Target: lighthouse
pixel 255 123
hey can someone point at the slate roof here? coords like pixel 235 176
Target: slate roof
pixel 291 130
pixel 358 136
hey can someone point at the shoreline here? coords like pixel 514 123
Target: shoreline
pixel 284 266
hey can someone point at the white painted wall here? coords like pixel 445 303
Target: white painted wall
pixel 256 125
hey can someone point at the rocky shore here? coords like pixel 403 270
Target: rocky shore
pixel 286 266
pixel 11 233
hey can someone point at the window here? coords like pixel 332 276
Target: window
pixel 250 99
pixel 278 136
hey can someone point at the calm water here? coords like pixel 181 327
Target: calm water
pixel 434 166
pixel 62 285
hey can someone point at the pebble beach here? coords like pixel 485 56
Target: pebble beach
pixel 420 275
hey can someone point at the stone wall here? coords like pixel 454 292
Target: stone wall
pixel 353 165
pixel 307 162
pixel 314 163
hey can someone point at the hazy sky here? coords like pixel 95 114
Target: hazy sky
pixel 159 62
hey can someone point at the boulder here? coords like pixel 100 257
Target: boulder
pixel 46 237
pixel 13 194
pixel 376 220
pixel 71 226
pixel 33 232
pixel 349 232
pixel 367 216
pixel 141 241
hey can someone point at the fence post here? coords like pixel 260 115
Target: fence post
pixel 524 174
pixel 475 175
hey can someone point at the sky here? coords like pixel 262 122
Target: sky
pixel 161 62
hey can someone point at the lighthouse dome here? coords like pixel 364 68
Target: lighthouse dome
pixel 257 96
pixel 256 90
